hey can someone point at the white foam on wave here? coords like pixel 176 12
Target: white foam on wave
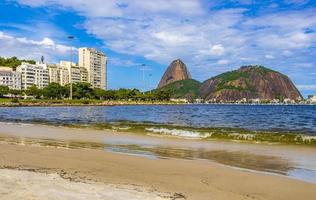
pixel 242 136
pixel 306 138
pixel 15 185
pixel 121 128
pixel 178 132
pixel 17 123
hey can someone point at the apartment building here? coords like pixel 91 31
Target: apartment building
pixel 95 62
pixel 65 71
pixel 10 78
pixel 33 74
pixel 311 99
pixel 75 73
pixel 53 73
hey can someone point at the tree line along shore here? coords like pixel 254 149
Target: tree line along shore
pixel 82 93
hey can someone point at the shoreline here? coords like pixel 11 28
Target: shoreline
pixel 239 135
pixel 190 180
pixel 82 102
pixel 101 103
pixel 271 158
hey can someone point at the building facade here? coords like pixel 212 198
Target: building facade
pixel 65 71
pixel 95 62
pixel 92 68
pixel 10 78
pixel 33 74
pixel 53 73
pixel 311 99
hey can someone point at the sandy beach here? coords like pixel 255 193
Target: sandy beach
pixel 92 173
pixel 179 178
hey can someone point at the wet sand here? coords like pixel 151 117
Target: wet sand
pixel 192 179
pixel 295 161
pixel 173 177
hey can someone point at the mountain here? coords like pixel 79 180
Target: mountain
pixel 249 82
pixel 176 71
pixel 183 89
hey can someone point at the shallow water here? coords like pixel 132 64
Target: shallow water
pixel 294 161
pixel 256 117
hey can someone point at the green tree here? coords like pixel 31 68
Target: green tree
pixel 122 94
pixel 162 95
pixel 82 91
pixel 4 90
pixel 149 96
pixel 133 94
pixel 34 91
pixel 136 95
pixel 15 93
pixel 110 95
pixel 13 62
pixel 54 91
pixel 99 93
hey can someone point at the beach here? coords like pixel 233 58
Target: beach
pixel 84 170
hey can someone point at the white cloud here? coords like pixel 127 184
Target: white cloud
pixel 217 50
pixel 269 56
pixel 183 7
pixel 116 8
pixel 31 49
pixel 171 38
pixel 91 8
pixel 163 30
pixel 223 62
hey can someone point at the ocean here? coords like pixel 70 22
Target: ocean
pixel 276 118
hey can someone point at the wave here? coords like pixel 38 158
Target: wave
pixel 177 132
pixel 210 133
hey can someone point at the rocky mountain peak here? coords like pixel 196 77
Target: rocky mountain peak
pixel 176 71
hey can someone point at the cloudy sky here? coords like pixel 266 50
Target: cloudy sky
pixel 209 36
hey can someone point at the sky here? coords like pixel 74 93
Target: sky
pixel 211 37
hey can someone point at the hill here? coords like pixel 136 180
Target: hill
pixel 249 82
pixel 188 89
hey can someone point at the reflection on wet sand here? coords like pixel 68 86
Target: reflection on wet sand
pixel 238 159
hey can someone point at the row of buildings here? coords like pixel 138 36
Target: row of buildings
pixel 91 68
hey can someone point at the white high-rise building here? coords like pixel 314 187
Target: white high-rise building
pixel 311 99
pixel 33 74
pixel 53 73
pixel 95 62
pixel 65 71
pixel 73 72
pixel 10 78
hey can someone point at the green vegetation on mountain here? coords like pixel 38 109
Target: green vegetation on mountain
pixel 188 88
pixel 240 79
pixel 227 80
pixel 249 82
pixel 13 62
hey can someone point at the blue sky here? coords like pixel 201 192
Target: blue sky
pixel 211 37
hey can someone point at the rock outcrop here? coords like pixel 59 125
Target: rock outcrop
pixel 176 71
pixel 249 82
